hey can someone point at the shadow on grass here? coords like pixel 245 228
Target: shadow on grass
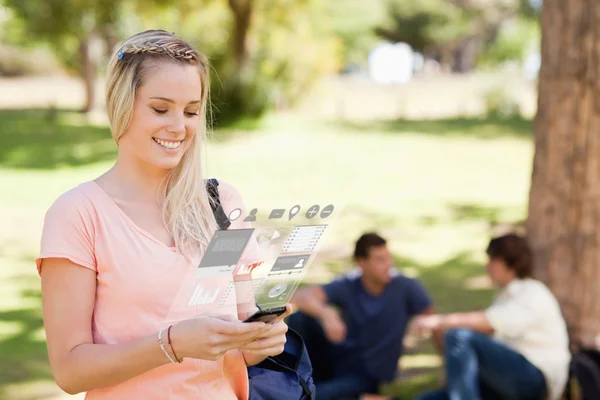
pixel 50 138
pixel 481 128
pixel 493 216
pixel 47 139
pixel 22 348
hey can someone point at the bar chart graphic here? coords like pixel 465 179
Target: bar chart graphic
pixel 202 296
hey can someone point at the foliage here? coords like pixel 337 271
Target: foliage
pixel 353 22
pixel 426 23
pixel 63 24
pixel 290 45
pixel 448 29
pixel 515 39
pixel 500 103
pixel 293 47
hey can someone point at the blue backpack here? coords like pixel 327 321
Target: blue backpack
pixel 287 376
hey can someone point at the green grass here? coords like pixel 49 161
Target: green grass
pixel 437 189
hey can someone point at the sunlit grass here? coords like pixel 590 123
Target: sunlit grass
pixel 435 196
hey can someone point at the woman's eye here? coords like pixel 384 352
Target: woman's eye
pixel 158 111
pixel 191 114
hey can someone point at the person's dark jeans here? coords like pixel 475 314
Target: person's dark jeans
pixel 480 368
pixel 338 375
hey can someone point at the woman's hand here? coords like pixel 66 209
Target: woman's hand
pixel 209 338
pixel 270 343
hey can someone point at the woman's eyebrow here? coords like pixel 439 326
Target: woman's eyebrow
pixel 173 101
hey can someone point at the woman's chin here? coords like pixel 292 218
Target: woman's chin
pixel 166 165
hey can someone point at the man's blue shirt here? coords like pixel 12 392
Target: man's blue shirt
pixel 376 324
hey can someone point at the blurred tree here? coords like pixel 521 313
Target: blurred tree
pixel 515 39
pixel 241 11
pixel 424 24
pixel 264 53
pixel 74 28
pixel 564 200
pixel 453 31
pixel 293 45
pixel 354 22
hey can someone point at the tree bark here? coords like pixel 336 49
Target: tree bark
pixel 465 55
pixel 242 18
pixel 88 73
pixel 564 202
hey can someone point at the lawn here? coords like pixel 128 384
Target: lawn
pixel 437 189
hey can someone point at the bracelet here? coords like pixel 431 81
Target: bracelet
pixel 170 345
pixel 161 343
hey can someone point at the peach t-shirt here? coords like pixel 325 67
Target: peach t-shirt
pixel 138 282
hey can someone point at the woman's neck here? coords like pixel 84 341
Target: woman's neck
pixel 135 182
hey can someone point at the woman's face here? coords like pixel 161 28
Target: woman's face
pixel 165 116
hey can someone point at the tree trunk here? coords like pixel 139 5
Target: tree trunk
pixel 564 203
pixel 110 41
pixel 88 73
pixel 242 17
pixel 465 55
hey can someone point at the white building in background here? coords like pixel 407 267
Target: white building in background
pixel 393 63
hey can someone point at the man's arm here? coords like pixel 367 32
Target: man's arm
pixel 438 324
pixel 313 301
pixel 474 320
pixel 437 335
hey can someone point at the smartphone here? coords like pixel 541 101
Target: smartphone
pixel 266 315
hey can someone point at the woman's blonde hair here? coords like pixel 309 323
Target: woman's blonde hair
pixel 186 205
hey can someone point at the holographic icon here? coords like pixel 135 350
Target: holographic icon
pixel 277 289
pixel 312 211
pixel 327 210
pixel 276 213
pixel 293 211
pixel 235 214
pixel 252 216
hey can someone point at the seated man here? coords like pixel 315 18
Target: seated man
pixel 354 326
pixel 528 358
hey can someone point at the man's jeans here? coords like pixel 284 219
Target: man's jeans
pixel 480 368
pixel 337 375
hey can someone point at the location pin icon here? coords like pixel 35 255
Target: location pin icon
pixel 293 211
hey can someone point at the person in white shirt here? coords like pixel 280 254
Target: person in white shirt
pixel 517 349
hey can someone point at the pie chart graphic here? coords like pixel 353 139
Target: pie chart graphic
pixel 277 289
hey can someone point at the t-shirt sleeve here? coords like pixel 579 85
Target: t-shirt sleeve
pixel 337 291
pixel 418 298
pixel 68 232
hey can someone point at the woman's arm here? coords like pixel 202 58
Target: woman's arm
pixel 79 365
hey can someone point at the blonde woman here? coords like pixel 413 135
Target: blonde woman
pixel 116 250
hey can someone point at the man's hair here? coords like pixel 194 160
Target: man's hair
pixel 514 251
pixel 365 243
